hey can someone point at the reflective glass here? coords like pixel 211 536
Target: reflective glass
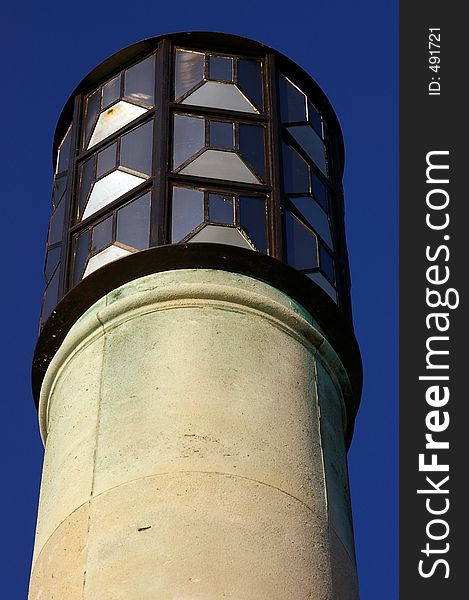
pixel 81 255
pixel 327 262
pixel 295 172
pixel 111 92
pixel 113 119
pixel 101 235
pixel 217 234
pixel 189 137
pixel 315 119
pixel 139 82
pixel 52 261
pixel 86 180
pixel 51 296
pixel 221 68
pixel 136 149
pixel 315 216
pixel 311 143
pixel 320 192
pixel 56 225
pixel 106 160
pixel 59 187
pixel 324 284
pixel 253 218
pixel 220 164
pixel 220 95
pixel 93 107
pixel 64 152
pixel 301 244
pixel 221 134
pixel 292 102
pixel 250 81
pixel 108 255
pixel 133 223
pixel 251 146
pixel 221 209
pixel 109 188
pixel 189 71
pixel 187 212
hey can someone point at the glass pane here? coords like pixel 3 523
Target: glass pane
pixel 81 255
pixel 56 225
pixel 220 95
pixel 93 108
pixel 52 261
pixel 136 149
pixel 87 178
pixel 322 282
pixel 320 192
pixel 59 187
pixel 221 135
pixel 251 146
pixel 101 235
pixel 109 254
pixel 315 119
pixel 292 102
pixel 107 160
pixel 327 262
pixel 189 71
pixel 51 296
pixel 301 244
pixel 133 223
pixel 187 212
pixel 111 92
pixel 221 68
pixel 249 80
pixel 217 234
pixel 64 152
pixel 113 119
pixel 220 164
pixel 315 216
pixel 253 219
pixel 189 137
pixel 295 172
pixel 311 143
pixel 109 188
pixel 221 209
pixel 139 82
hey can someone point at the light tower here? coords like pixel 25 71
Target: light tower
pixel 196 373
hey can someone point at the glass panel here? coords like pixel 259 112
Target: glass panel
pixel 101 235
pixel 56 225
pixel 189 71
pixel 59 187
pixel 133 223
pixel 107 160
pixel 220 95
pixel 249 80
pixel 187 212
pixel 93 107
pixel 292 102
pixel 301 244
pixel 87 178
pixel 315 216
pixel 217 234
pixel 221 209
pixel 320 192
pixel 64 152
pixel 81 255
pixel 109 188
pixel 327 263
pixel 220 164
pixel 189 137
pixel 315 119
pixel 253 218
pixel 221 134
pixel 139 82
pixel 110 254
pixel 136 149
pixel 295 172
pixel 322 282
pixel 311 143
pixel 221 68
pixel 51 296
pixel 111 92
pixel 113 119
pixel 251 146
pixel 52 261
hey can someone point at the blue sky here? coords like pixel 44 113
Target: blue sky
pixel 351 49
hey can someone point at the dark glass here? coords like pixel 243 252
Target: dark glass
pixel 189 136
pixel 320 192
pixel 101 235
pixel 51 296
pixel 221 134
pixel 315 119
pixel 139 82
pixel 292 102
pixel 59 187
pixel 311 143
pixel 87 178
pixel 249 80
pixel 136 149
pixel 187 212
pixel 251 146
pixel 315 216
pixel 133 223
pixel 64 152
pixel 81 255
pixel 93 108
pixel 220 68
pixel 111 92
pixel 106 160
pixel 327 263
pixel 52 262
pixel 189 71
pixel 295 172
pixel 220 209
pixel 301 244
pixel 56 225
pixel 253 219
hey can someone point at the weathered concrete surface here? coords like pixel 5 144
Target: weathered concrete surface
pixel 183 447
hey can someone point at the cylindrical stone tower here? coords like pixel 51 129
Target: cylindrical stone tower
pixel 196 373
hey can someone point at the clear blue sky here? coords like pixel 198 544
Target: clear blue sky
pixel 350 48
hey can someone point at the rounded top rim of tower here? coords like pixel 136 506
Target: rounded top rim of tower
pixel 230 42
